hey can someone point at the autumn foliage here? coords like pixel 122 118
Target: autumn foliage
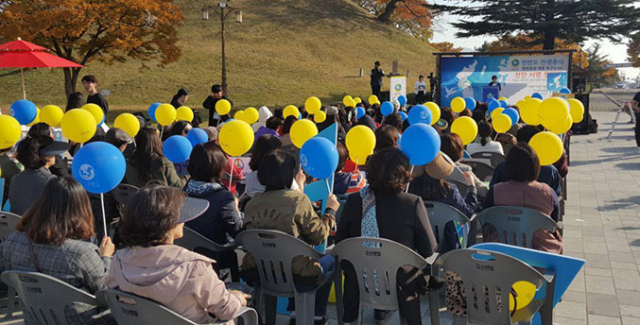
pixel 412 16
pixel 528 43
pixel 447 47
pixel 100 30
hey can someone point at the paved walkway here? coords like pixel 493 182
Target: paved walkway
pixel 602 225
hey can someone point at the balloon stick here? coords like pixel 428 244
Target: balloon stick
pixel 231 177
pixel 329 187
pixel 104 218
pixel 407 189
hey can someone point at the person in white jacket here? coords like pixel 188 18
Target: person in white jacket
pixel 420 89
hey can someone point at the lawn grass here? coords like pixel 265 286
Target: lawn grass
pixel 285 51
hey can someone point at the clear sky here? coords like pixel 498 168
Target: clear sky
pixel 445 32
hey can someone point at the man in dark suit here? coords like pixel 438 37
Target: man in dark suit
pixel 376 79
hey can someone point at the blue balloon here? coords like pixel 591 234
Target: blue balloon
pixel 402 100
pixel 538 96
pixel 421 143
pixel 99 167
pixel 420 114
pixel 177 149
pixel 360 112
pixel 24 111
pixel 197 136
pixel 404 116
pixel 504 104
pixel 471 103
pixel 565 90
pixel 152 111
pixel 386 109
pixel 493 104
pixel 319 157
pixel 513 114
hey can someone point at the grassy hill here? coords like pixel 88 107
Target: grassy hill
pixel 283 52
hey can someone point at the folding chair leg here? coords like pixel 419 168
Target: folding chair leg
pixel 11 301
pixel 270 305
pixel 546 311
pixel 434 306
pixel 337 282
pixel 305 306
pixel 459 320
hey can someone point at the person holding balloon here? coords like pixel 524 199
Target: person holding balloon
pixel 453 147
pixel 346 182
pixel 149 164
pixel 90 84
pixel 211 102
pixel 60 167
pixel 36 155
pixel 271 127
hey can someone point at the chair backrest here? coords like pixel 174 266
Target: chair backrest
pixel 273 251
pixel 376 262
pixel 44 297
pixel 494 157
pixel 343 200
pixel 123 193
pixel 130 309
pixel 516 225
pixel 481 169
pixel 462 187
pixel 487 279
pixel 192 240
pixel 441 213
pixel 8 223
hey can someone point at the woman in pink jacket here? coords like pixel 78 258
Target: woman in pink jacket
pixel 152 267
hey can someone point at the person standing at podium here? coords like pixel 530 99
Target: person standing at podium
pixel 376 79
pixel 494 83
pixel 420 88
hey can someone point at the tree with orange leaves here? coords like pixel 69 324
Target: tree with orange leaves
pixel 108 31
pixel 412 16
pixel 446 47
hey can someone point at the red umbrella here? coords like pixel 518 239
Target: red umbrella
pixel 22 54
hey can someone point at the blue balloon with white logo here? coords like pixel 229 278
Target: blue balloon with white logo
pixel 386 108
pixel 503 103
pixel 471 103
pixel 197 136
pixel 152 111
pixel 565 90
pixel 24 111
pixel 360 112
pixel 402 100
pixel 493 104
pixel 537 95
pixel 513 114
pixel 177 149
pixel 421 143
pixel 403 115
pixel 319 157
pixel 420 114
pixel 99 167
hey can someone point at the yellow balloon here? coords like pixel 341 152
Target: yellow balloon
pixel 236 137
pixel 52 115
pixel 319 117
pixel 348 101
pixel 251 115
pixel 36 119
pixel 96 111
pixel 10 131
pixel 525 292
pixel 301 131
pixel 360 160
pixel 165 114
pixel 547 146
pixel 128 123
pixel 520 103
pixel 184 113
pixel 435 111
pixel 501 122
pixel 78 125
pixel 577 110
pixel 503 98
pixel 239 115
pixel 458 104
pixel 373 99
pixel 360 141
pixel 357 100
pixel 553 110
pixel 223 107
pixel 529 111
pixel 496 112
pixel 563 127
pixel 466 128
pixel 312 105
pixel 291 111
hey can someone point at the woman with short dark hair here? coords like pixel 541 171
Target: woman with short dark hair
pixel 522 189
pixel 453 147
pixel 383 209
pixel 53 238
pixel 60 167
pixel 75 100
pixel 486 144
pixel 180 98
pixel 387 136
pixel 148 163
pixel 264 145
pixel 151 266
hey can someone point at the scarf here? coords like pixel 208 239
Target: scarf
pixel 199 188
pixel 369 224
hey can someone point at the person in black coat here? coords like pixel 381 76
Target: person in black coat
pixel 210 104
pixel 376 79
pixel 90 84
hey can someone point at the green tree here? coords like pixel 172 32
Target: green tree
pixel 598 73
pixel 546 20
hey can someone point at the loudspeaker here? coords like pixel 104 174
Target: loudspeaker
pixel 584 126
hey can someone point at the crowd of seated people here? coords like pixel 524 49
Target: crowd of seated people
pixel 386 199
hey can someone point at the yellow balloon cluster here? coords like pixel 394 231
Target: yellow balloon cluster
pixel 319 117
pixel 312 105
pixel 301 131
pixel 239 115
pixel 223 107
pixel 360 142
pixel 291 111
pixel 547 146
pixel 373 99
pixel 251 115
pixel 10 131
pixel 529 108
pixel 78 125
pixel 184 113
pixel 128 123
pixel 236 138
pixel 96 111
pixel 165 114
pixel 458 104
pixel 466 128
pixel 348 101
pixel 501 122
pixel 52 115
pixel 435 111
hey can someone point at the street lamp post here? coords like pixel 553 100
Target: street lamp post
pixel 223 10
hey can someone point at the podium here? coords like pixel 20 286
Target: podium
pixel 489 92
